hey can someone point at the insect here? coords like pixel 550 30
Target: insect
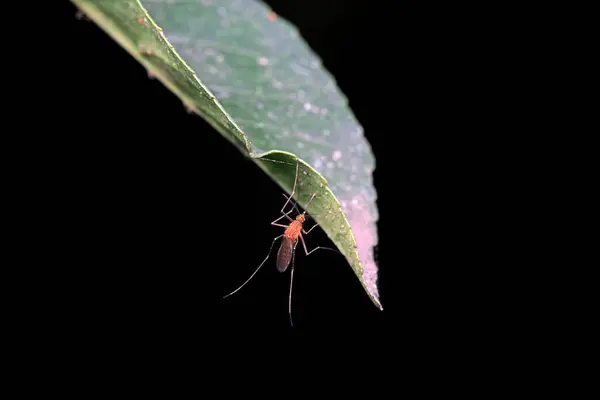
pixel 289 240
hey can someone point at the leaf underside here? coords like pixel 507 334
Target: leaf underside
pixel 250 75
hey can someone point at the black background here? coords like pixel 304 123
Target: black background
pixel 166 217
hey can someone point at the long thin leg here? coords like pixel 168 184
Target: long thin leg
pixel 294 206
pixel 311 228
pixel 291 282
pixel 284 215
pixel 293 189
pixel 261 264
pixel 316 248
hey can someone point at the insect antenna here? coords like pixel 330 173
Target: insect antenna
pixel 310 201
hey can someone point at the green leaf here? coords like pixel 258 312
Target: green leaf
pixel 272 99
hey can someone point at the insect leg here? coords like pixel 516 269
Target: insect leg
pixel 316 248
pixel 291 282
pixel 284 215
pixel 311 228
pixel 293 189
pixel 261 264
pixel 293 204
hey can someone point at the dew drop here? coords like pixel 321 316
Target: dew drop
pixel 337 155
pixel 262 61
pixel 307 106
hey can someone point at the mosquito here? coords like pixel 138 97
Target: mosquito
pixel 294 232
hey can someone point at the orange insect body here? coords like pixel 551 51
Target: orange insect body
pixel 288 243
pixel 294 229
pixel 289 239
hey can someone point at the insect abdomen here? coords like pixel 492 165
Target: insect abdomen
pixel 284 255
